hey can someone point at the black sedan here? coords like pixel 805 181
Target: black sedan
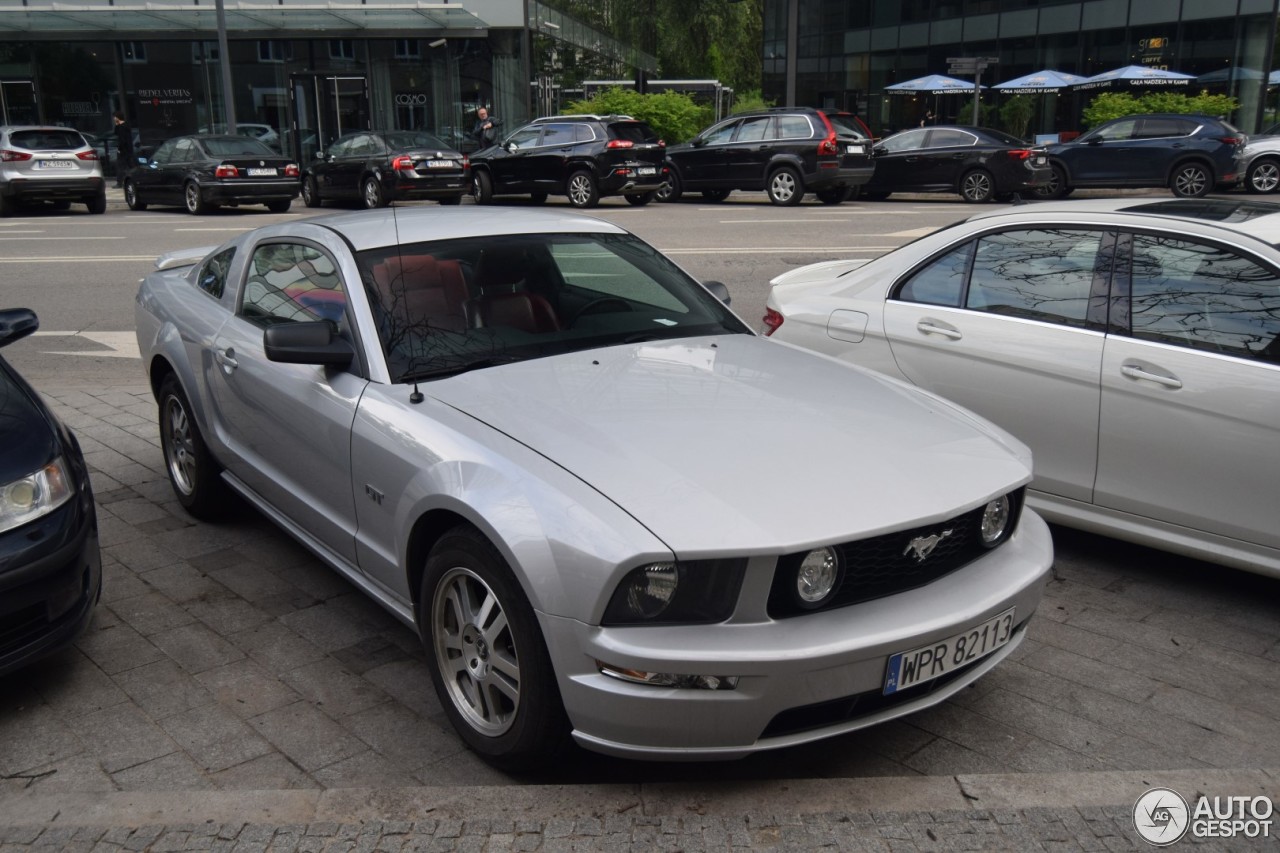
pixel 202 172
pixel 979 163
pixel 50 567
pixel 376 168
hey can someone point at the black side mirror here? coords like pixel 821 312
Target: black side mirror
pixel 698 142
pixel 16 324
pixel 1093 140
pixel 879 151
pixel 718 290
pixel 306 343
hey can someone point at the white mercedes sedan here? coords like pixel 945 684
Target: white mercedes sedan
pixel 1133 345
pixel 612 512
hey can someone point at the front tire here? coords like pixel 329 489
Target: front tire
pixel 131 196
pixel 194 199
pixel 193 473
pixel 785 187
pixel 1191 180
pixel 1056 188
pixel 1263 176
pixel 488 661
pixel 482 188
pixel 371 195
pixel 977 187
pixel 311 192
pixel 671 189
pixel 715 195
pixel 640 199
pixel 582 190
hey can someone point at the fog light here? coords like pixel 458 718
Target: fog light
pixel 817 577
pixel 995 521
pixel 667 679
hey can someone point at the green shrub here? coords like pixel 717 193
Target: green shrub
pixel 1016 113
pixel 673 116
pixel 1111 105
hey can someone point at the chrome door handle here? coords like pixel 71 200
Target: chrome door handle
pixel 930 328
pixel 226 358
pixel 1133 372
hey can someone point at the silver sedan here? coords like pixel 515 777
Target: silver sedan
pixel 1135 346
pixel 613 513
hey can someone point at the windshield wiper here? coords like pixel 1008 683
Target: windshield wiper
pixel 453 368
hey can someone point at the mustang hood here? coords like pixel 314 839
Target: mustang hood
pixel 741 445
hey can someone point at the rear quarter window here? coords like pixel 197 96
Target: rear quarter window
pixel 794 127
pixel 633 132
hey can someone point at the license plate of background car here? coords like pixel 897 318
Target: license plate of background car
pixel 1039 161
pixel 647 170
pixel 907 669
pixel 57 164
pixel 262 173
pixel 853 149
pixel 440 164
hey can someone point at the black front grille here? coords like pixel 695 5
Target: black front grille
pixel 885 565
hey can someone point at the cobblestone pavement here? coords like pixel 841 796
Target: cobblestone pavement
pixel 225 658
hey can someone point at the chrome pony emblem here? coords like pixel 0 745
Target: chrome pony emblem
pixel 922 546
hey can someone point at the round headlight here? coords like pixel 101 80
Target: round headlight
pixel 651 588
pixel 995 520
pixel 817 577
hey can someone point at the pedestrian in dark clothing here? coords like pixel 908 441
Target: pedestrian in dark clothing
pixel 485 131
pixel 124 146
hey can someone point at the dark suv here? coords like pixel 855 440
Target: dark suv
pixel 583 157
pixel 785 151
pixel 1189 154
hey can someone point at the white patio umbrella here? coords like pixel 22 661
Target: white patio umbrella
pixel 1040 82
pixel 1135 76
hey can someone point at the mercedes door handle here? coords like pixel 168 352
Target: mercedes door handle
pixel 226 358
pixel 929 327
pixel 1132 371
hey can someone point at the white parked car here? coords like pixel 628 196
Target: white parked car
pixel 1134 345
pixel 607 506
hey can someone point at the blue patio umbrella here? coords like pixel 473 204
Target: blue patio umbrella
pixel 931 84
pixel 1040 82
pixel 1135 76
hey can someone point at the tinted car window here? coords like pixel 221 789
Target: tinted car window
pixel 230 146
pixel 341 148
pixel 793 127
pixel 633 131
pixel 754 129
pixel 557 134
pixel 1039 274
pixel 908 141
pixel 583 133
pixel 1204 297
pixel 941 282
pixel 847 125
pixel 1120 130
pixel 291 283
pixel 414 140
pixel 946 137
pixel 525 137
pixel 722 133
pixel 183 152
pixel 47 140
pixel 165 152
pixel 1154 128
pixel 212 278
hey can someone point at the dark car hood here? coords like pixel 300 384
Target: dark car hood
pixel 27 436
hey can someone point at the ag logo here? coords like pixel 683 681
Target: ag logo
pixel 1161 816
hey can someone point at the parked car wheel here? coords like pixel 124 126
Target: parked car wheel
pixel 371 195
pixel 715 195
pixel 311 192
pixel 582 189
pixel 1263 176
pixel 279 206
pixel 1056 186
pixel 785 187
pixel 1191 180
pixel 97 203
pixel 7 206
pixel 482 188
pixel 194 199
pixel 977 187
pixel 131 196
pixel 836 195
pixel 192 471
pixel 671 189
pixel 640 199
pixel 487 658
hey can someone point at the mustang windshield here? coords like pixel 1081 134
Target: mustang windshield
pixel 444 306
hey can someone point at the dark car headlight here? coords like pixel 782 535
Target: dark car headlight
pixel 677 592
pixel 34 495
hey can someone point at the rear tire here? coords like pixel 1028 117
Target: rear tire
pixel 640 199
pixel 131 196
pixel 1057 186
pixel 279 206
pixel 671 189
pixel 835 195
pixel 482 188
pixel 582 190
pixel 371 195
pixel 192 471
pixel 97 203
pixel 715 195
pixel 977 186
pixel 785 187
pixel 1191 180
pixel 194 199
pixel 311 192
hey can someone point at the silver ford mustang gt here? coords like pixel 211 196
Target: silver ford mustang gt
pixel 612 512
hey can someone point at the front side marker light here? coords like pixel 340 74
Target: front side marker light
pixel 666 679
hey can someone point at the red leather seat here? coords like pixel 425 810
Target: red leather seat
pixel 423 291
pixel 525 311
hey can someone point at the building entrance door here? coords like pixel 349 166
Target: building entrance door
pixel 325 107
pixel 18 102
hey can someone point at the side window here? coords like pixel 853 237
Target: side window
pixel 721 134
pixel 340 148
pixel 1120 130
pixel 525 137
pixel 183 151
pixel 1204 297
pixel 292 282
pixel 794 127
pixel 583 133
pixel 164 154
pixel 754 129
pixel 941 282
pixel 1157 128
pixel 947 138
pixel 212 278
pixel 908 141
pixel 557 134
pixel 1045 274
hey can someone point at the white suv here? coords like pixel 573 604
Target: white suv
pixel 52 164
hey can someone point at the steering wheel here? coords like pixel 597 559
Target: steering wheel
pixel 597 306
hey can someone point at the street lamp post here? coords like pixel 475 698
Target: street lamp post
pixel 224 57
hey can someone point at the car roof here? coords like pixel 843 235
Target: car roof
pixel 389 226
pixel 1257 219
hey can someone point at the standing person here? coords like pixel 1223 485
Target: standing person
pixel 928 118
pixel 124 146
pixel 485 131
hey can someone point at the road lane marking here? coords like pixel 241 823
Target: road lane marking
pixel 914 232
pixel 118 344
pixel 241 228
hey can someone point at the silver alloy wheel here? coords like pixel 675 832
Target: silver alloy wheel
pixel 179 450
pixel 1191 182
pixel 130 194
pixel 976 186
pixel 782 185
pixel 580 190
pixel 372 194
pixel 308 191
pixel 476 652
pixel 1265 177
pixel 194 203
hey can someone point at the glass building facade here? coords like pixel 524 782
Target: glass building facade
pixel 842 53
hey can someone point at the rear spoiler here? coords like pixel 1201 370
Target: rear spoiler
pixel 183 258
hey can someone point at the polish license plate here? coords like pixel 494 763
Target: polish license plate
pixel 262 173
pixel 907 669
pixel 57 164
pixel 647 170
pixel 853 149
pixel 440 164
